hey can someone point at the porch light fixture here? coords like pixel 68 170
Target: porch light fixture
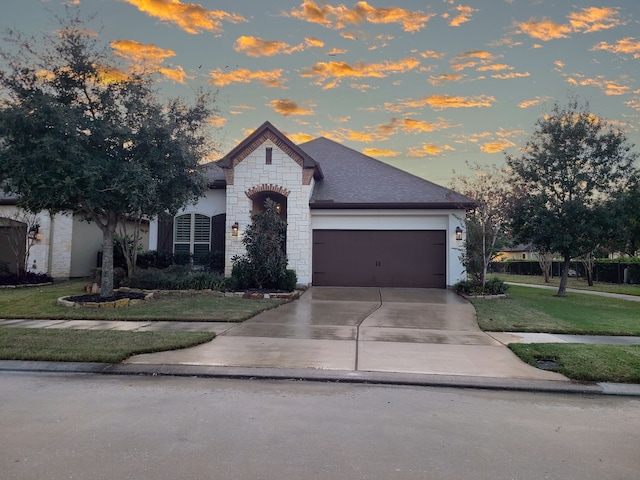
pixel 234 229
pixel 458 233
pixel 34 233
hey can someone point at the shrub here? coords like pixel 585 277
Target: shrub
pixel 26 278
pixel 494 286
pixel 288 281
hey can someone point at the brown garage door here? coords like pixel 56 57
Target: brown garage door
pixel 379 258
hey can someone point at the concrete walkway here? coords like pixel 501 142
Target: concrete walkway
pixel 619 296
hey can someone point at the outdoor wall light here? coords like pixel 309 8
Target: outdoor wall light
pixel 234 229
pixel 458 233
pixel 34 233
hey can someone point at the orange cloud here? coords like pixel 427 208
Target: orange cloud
pixel 444 78
pixel 440 102
pixel 496 147
pixel 634 103
pixel 470 59
pixel 507 76
pixel 313 42
pixel 269 78
pixel 176 74
pixel 533 102
pixel 190 17
pixel 428 150
pixel 340 16
pixel 628 45
pixel 495 67
pixel 609 87
pixel 544 29
pixel 298 138
pixel 289 107
pixel 380 152
pixel 217 121
pixel 593 19
pixel 410 125
pixel 336 51
pixel 324 71
pixel 431 54
pixel 257 47
pixel 463 17
pixel 141 53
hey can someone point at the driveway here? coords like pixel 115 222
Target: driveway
pixel 368 329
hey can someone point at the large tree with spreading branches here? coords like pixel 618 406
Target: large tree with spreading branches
pixel 79 133
pixel 569 169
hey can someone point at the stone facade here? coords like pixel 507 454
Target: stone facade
pixel 283 176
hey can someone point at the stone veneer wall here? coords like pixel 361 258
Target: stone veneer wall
pixel 283 172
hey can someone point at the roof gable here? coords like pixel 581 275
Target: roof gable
pixel 264 132
pixel 355 180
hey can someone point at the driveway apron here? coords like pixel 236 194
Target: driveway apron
pixel 402 330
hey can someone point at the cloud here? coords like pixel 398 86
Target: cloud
pixel 609 87
pixel 269 78
pixel 428 150
pixel 586 20
pixel 496 147
pixel 190 17
pixel 257 47
pixel 432 54
pixel 141 53
pixel 336 51
pixel 628 45
pixel 313 42
pixel 299 138
pixel 533 102
pixel 544 29
pixel 495 67
pixel 217 121
pixel 176 74
pixel 324 71
pixel 463 17
pixel 507 76
pixel 444 78
pixel 440 102
pixel 410 125
pixel 634 103
pixel 289 107
pixel 470 59
pixel 340 16
pixel 380 152
pixel 593 19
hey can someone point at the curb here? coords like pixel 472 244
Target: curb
pixel 316 375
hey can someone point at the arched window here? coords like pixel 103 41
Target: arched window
pixel 192 235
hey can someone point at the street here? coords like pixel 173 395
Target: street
pixel 74 426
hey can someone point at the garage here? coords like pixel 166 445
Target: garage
pixel 379 258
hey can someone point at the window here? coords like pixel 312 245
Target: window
pixel 192 235
pixel 269 155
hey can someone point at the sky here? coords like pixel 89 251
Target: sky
pixel 423 85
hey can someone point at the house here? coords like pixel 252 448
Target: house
pixel 62 245
pixel 351 219
pixel 519 252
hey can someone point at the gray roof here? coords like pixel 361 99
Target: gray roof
pixel 214 174
pixel 352 179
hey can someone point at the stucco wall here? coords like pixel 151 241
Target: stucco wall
pixel 283 172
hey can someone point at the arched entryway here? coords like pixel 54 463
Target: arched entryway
pixel 280 200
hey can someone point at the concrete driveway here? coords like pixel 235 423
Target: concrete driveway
pixel 367 329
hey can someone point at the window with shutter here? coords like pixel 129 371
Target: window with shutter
pixel 192 235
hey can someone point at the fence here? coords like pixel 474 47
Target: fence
pixel 603 271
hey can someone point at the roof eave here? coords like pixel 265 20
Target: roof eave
pixel 390 206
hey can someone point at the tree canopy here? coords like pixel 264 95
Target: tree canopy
pixel 571 165
pixel 81 134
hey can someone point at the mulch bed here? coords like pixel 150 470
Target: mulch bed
pixel 96 298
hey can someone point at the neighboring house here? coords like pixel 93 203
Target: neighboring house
pixel 64 246
pixel 519 252
pixel 351 219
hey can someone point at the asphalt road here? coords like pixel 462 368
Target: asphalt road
pixel 71 426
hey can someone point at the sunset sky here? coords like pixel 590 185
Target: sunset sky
pixel 423 85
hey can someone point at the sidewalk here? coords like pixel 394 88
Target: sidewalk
pixel 619 296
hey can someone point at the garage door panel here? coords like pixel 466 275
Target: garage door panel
pixel 379 258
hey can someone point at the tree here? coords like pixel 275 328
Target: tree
pixel 625 212
pixel 545 260
pixel 265 262
pixel 489 187
pixel 81 135
pixel 569 168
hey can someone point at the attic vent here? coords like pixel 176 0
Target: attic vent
pixel 269 153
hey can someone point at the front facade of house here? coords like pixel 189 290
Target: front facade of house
pixel 351 219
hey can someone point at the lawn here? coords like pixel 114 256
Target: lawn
pixel 90 345
pixel 535 310
pixel 576 283
pixel 40 302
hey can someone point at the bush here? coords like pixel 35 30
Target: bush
pixel 288 281
pixel 175 277
pixel 495 286
pixel 26 278
pixel 154 259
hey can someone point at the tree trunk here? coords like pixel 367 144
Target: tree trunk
pixel 562 290
pixel 108 234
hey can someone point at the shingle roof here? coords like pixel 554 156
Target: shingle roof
pixel 352 179
pixel 214 175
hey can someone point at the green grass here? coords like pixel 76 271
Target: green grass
pixel 535 310
pixel 90 345
pixel 40 303
pixel 572 283
pixel 592 363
